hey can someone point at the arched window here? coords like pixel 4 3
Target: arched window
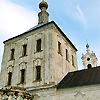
pixel 66 54
pixel 9 78
pixel 22 74
pixel 89 66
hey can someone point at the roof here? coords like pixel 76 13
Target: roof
pixel 30 30
pixel 42 25
pixel 81 78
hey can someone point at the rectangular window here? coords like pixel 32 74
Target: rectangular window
pixel 24 50
pixel 66 54
pixel 22 75
pixel 72 60
pixel 12 54
pixel 38 45
pixel 9 78
pixel 59 47
pixel 38 73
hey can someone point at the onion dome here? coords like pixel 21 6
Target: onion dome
pixel 87 46
pixel 43 4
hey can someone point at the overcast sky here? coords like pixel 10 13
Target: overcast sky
pixel 78 19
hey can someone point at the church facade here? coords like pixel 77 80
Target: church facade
pixel 43 61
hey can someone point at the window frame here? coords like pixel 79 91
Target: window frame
pixel 66 54
pixel 38 45
pixel 38 73
pixel 9 78
pixel 12 55
pixel 24 50
pixel 59 47
pixel 73 62
pixel 22 78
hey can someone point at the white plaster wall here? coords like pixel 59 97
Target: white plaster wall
pixel 61 65
pixel 91 92
pixel 44 94
pixel 53 66
pixel 32 59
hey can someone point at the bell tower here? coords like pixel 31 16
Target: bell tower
pixel 89 59
pixel 43 15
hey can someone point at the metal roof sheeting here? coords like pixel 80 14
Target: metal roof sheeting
pixel 81 78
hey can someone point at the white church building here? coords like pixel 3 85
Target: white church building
pixel 41 64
